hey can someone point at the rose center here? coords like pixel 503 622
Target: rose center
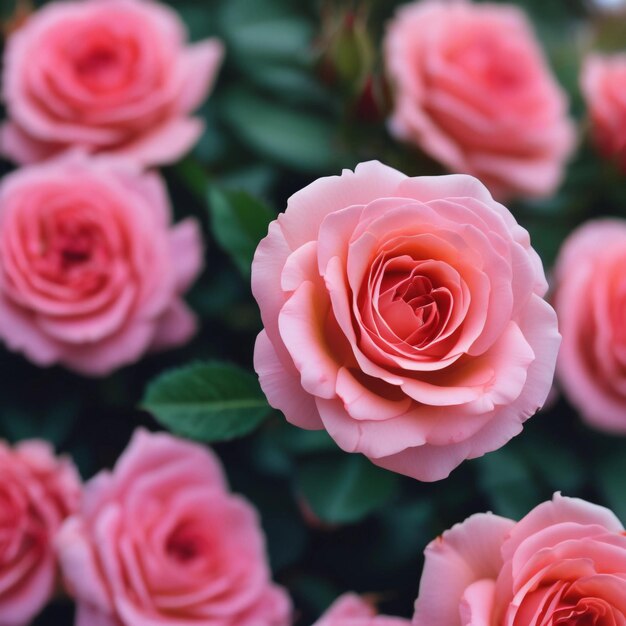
pixel 72 246
pixel 413 308
pixel 417 294
pixel 71 250
pixel 104 63
pixel 186 544
pixel 585 612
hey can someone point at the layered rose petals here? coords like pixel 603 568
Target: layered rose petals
pixel 590 298
pixel 37 492
pixel 563 563
pixel 113 76
pixel 405 316
pixel 473 90
pixel 352 610
pixel 91 271
pixel 160 540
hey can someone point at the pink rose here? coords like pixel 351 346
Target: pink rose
pixel 405 316
pixel 563 564
pixel 91 270
pixel 474 91
pixel 113 76
pixel 352 610
pixel 590 296
pixel 160 540
pixel 603 81
pixel 37 492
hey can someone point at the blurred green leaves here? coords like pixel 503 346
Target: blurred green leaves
pixel 207 401
pixel 293 138
pixel 343 489
pixel 238 222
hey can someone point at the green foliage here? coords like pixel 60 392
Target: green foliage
pixel 296 139
pixel 207 401
pixel 344 489
pixel 238 221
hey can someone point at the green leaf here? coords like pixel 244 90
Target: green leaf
pixel 238 221
pixel 508 482
pixel 266 29
pixel 296 139
pixel 207 401
pixel 344 489
pixel 611 472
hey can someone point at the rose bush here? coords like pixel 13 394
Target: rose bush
pixel 113 76
pixel 590 295
pixel 405 316
pixel 352 610
pixel 91 270
pixel 160 540
pixel 602 83
pixel 563 563
pixel 473 90
pixel 37 492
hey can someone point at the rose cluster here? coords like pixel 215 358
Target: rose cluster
pixel 160 539
pixel 92 272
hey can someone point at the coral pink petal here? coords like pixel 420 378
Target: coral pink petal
pixel 559 510
pixel 466 554
pixel 477 603
pixel 307 208
pixel 282 388
pixel 301 324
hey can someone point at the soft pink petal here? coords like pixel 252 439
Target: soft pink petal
pixel 307 208
pixel 559 510
pixel 165 144
pixel 88 616
pixel 175 327
pixel 462 556
pixel 477 603
pixel 187 253
pixel 282 388
pixel 203 60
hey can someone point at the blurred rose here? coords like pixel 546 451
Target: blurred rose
pixel 37 492
pixel 473 90
pixel 112 76
pixel 590 300
pixel 352 610
pixel 91 271
pixel 603 82
pixel 160 541
pixel 405 316
pixel 563 564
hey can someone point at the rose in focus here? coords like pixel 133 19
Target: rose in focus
pixel 473 90
pixel 404 315
pixel 161 540
pixel 563 563
pixel 91 270
pixel 352 610
pixel 37 492
pixel 590 299
pixel 603 81
pixel 115 76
